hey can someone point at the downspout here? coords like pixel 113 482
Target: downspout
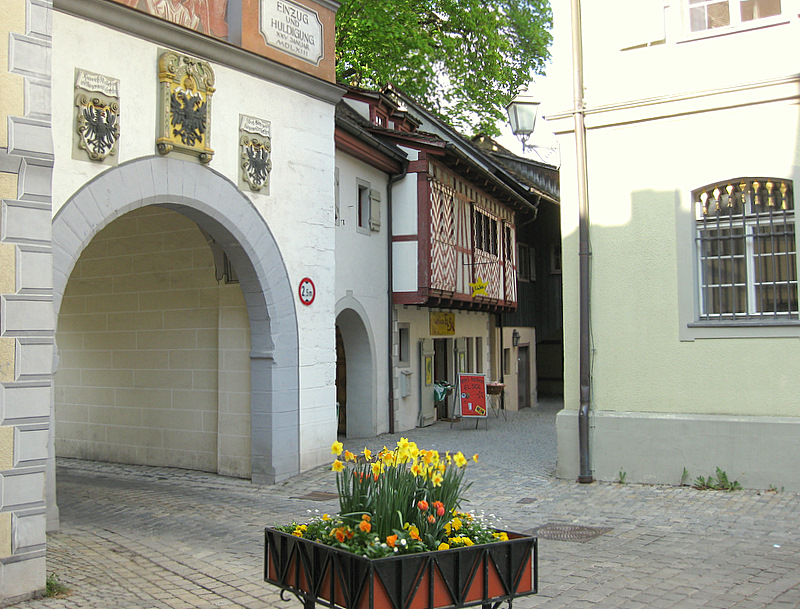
pixel 584 253
pixel 393 179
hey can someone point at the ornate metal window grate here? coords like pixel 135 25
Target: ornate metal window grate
pixel 746 250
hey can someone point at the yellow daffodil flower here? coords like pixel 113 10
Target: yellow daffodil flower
pixel 460 459
pixel 367 454
pixel 337 466
pixel 337 448
pixel 475 457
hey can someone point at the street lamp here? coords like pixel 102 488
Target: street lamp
pixel 515 338
pixel 522 115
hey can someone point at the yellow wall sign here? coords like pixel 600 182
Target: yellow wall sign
pixel 442 324
pixel 479 287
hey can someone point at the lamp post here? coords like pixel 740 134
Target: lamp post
pixel 515 338
pixel 522 113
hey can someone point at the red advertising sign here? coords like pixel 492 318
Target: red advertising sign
pixel 472 395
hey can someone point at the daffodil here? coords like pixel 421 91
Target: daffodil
pixel 460 459
pixel 337 448
pixel 337 466
pixel 367 454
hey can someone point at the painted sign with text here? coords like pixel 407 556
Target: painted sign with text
pixel 472 395
pixel 292 28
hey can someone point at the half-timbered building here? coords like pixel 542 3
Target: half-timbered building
pixel 452 224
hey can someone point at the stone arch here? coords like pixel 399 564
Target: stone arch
pixel 359 345
pixel 216 205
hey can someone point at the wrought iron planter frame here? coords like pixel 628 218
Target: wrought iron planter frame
pixel 485 575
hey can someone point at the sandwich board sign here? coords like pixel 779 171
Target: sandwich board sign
pixel 472 395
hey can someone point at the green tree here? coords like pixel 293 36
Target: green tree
pixel 465 59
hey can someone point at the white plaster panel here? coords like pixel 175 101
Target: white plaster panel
pixel 29 137
pixel 25 222
pixel 35 269
pixel 23 489
pixel 28 531
pixel 39 22
pixel 29 56
pixel 405 209
pixel 24 577
pixel 405 278
pixel 35 181
pixel 31 446
pixel 24 401
pixel 34 358
pixel 37 99
pixel 23 316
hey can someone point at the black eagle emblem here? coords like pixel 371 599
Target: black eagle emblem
pixel 188 117
pixel 101 129
pixel 258 162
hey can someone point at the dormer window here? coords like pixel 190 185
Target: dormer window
pixel 379 118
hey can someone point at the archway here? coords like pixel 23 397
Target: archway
pixel 360 369
pixel 215 204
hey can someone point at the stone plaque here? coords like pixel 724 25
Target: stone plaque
pixel 292 28
pixel 96 132
pixel 255 141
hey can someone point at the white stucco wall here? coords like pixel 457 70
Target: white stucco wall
pixel 298 210
pixel 362 274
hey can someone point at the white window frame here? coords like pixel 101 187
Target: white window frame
pixel 734 16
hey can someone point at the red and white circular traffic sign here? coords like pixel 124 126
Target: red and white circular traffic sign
pixel 307 291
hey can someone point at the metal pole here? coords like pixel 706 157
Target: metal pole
pixel 585 475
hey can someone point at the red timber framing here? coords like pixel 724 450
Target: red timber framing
pixel 464 237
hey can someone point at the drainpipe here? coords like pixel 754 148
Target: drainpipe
pixel 584 253
pixel 393 179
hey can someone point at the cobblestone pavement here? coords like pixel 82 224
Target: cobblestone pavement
pixel 157 538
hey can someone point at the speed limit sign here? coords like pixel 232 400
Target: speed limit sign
pixel 307 291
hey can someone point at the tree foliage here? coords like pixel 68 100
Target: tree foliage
pixel 465 59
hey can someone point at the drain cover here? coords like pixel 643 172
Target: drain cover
pixel 558 531
pixel 318 496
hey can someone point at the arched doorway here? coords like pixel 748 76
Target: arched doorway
pixel 216 206
pixel 360 385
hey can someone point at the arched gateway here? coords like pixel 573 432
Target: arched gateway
pixel 227 215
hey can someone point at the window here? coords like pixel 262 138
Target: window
pixel 526 269
pixel 362 208
pixel 404 345
pixel 711 14
pixel 555 259
pixel 484 232
pixel 746 250
pixel 368 208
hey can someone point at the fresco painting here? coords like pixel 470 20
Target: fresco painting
pixel 206 16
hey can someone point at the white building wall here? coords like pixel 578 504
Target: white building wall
pixel 362 272
pixel 298 209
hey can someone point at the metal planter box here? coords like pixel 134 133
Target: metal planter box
pixel 460 577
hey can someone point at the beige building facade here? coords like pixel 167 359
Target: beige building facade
pixel 691 127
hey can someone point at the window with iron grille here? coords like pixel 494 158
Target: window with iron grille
pixel 746 250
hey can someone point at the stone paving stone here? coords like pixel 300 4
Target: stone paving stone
pixel 161 538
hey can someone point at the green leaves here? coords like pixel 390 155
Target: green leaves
pixel 465 59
